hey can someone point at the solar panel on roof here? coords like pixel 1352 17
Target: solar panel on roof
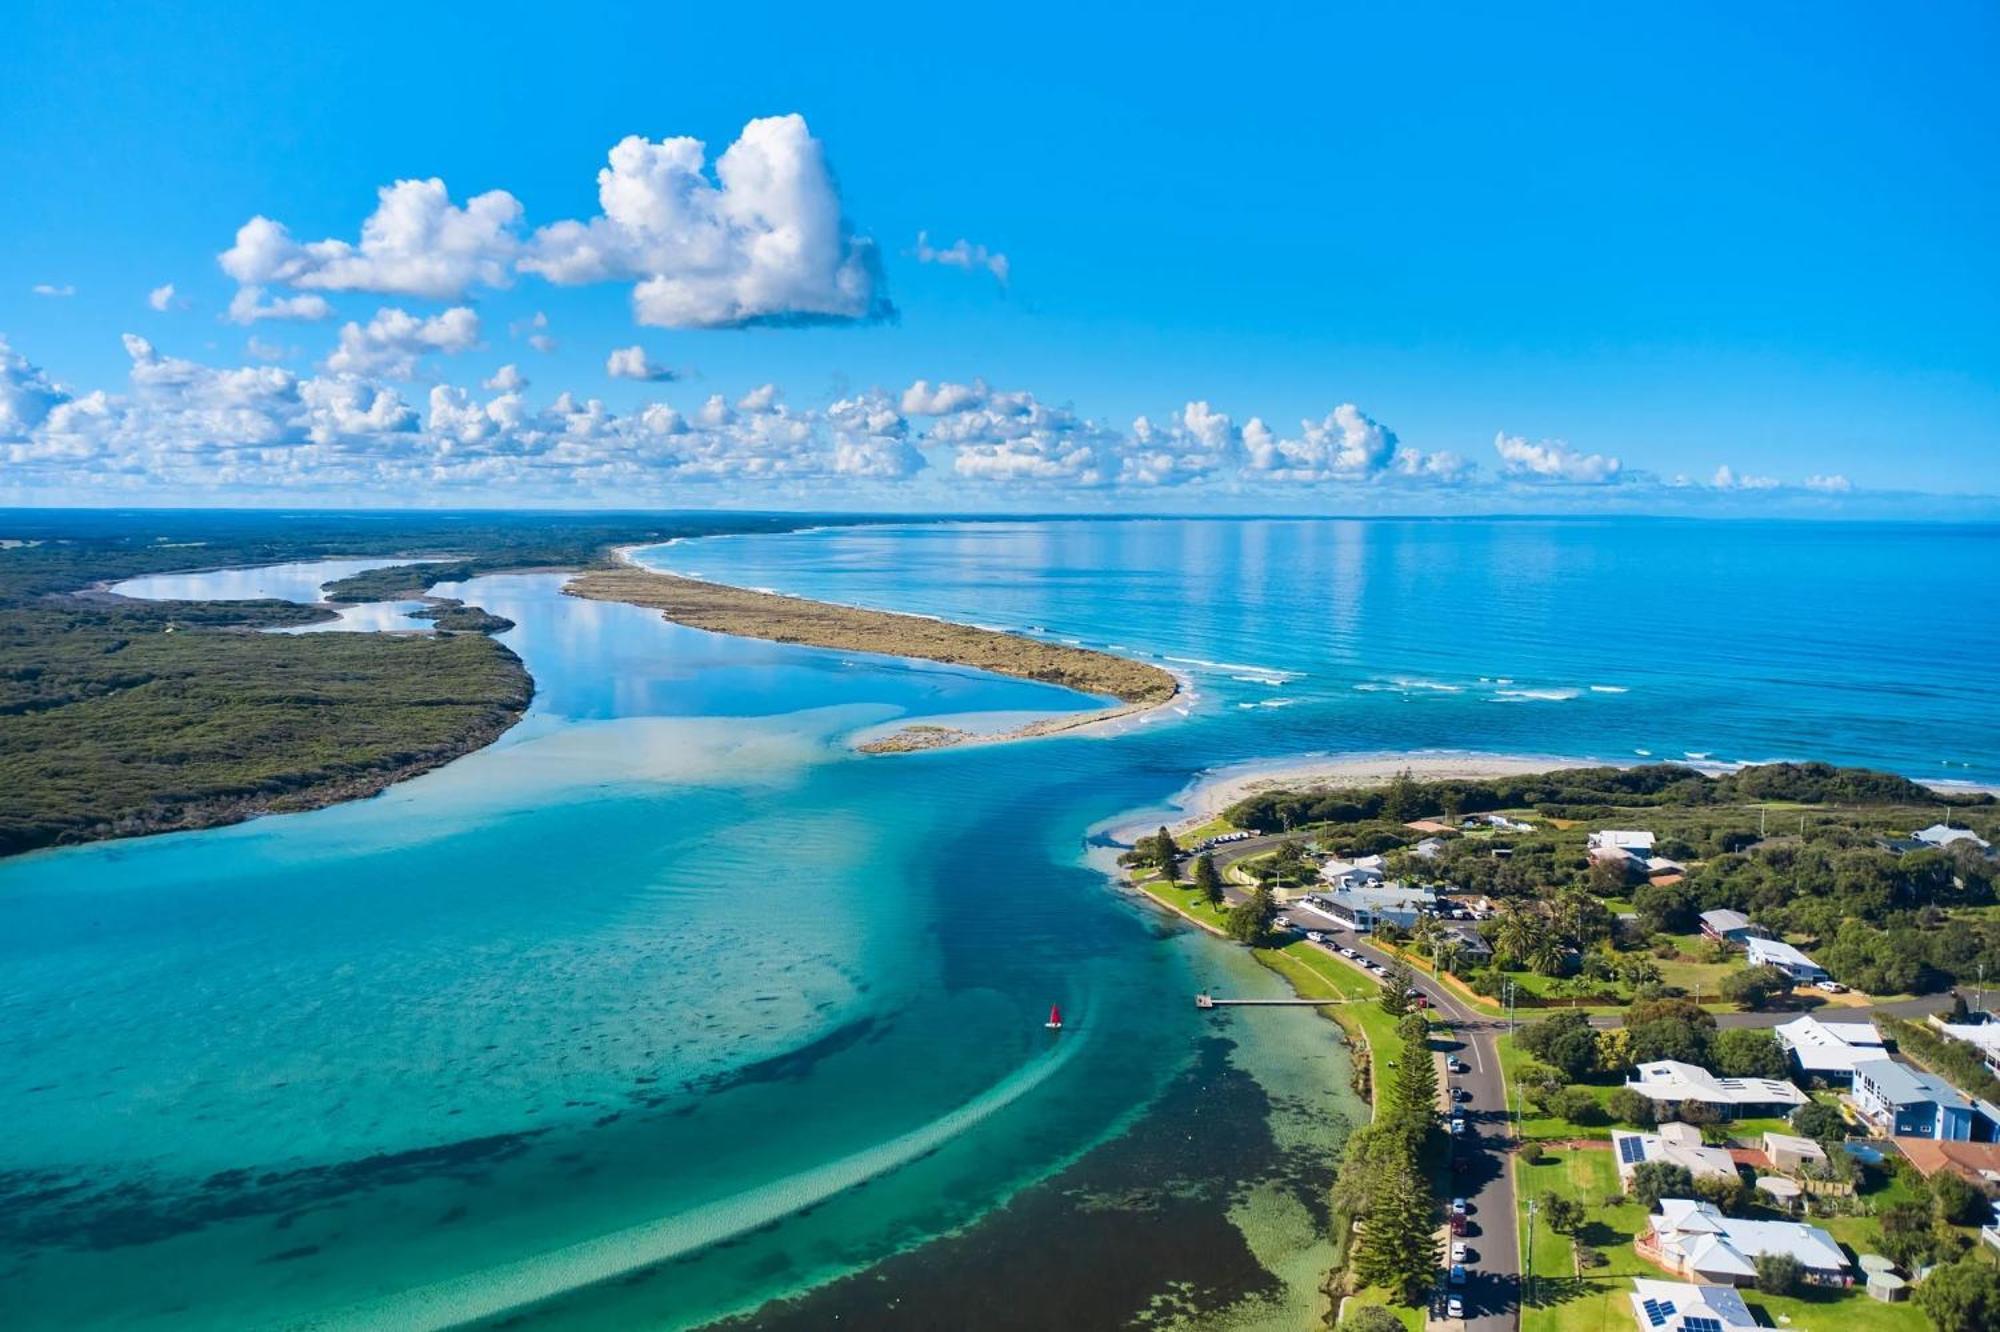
pixel 1658 1311
pixel 1631 1150
pixel 1702 1324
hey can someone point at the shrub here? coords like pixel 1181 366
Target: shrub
pixel 1630 1107
pixel 1371 1318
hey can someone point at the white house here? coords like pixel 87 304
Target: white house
pixel 1674 1144
pixel 1361 872
pixel 1829 1050
pixel 1633 846
pixel 1676 1306
pixel 1670 1081
pixel 1984 1035
pixel 1942 835
pixel 1777 953
pixel 1367 906
pixel 1788 1151
pixel 1693 1239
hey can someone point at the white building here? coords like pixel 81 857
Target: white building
pixel 1777 953
pixel 1788 1151
pixel 1693 1239
pixel 1368 906
pixel 1942 835
pixel 1361 872
pixel 1984 1035
pixel 1634 846
pixel 1674 1144
pixel 1676 1306
pixel 1829 1050
pixel 1670 1081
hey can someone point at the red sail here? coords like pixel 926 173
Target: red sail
pixel 1055 1016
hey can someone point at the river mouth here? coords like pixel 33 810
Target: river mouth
pixel 668 976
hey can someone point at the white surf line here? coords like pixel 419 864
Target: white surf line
pixel 508 1286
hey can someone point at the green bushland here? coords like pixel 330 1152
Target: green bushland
pixel 1804 849
pixel 122 717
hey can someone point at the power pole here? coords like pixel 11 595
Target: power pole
pixel 1528 1275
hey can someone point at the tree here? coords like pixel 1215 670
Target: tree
pixel 1630 1107
pixel 1398 1247
pixel 1564 1215
pixel 1654 1180
pixel 1907 1238
pixel 1564 1041
pixel 1726 1192
pixel 1819 1121
pixel 1754 987
pixel 1779 1273
pixel 1166 854
pixel 1668 1029
pixel 1395 996
pixel 1415 1090
pixel 1956 1201
pixel 1250 921
pixel 1747 1052
pixel 1207 881
pixel 1962 1297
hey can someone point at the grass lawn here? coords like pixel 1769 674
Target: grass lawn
pixel 1596 1301
pixel 1317 976
pixel 1214 827
pixel 1180 897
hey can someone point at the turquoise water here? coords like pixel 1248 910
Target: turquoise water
pixel 669 1004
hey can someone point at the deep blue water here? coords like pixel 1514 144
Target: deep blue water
pixel 669 1003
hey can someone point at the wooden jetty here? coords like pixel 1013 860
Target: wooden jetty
pixel 1207 1000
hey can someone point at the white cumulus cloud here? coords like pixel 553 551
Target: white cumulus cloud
pixel 764 242
pixel 1727 478
pixel 1834 484
pixel 631 363
pixel 248 306
pixel 1552 460
pixel 391 343
pixel 416 243
pixel 161 298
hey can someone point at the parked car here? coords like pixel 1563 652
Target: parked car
pixel 1458 1225
pixel 1458 1252
pixel 1454 1307
pixel 1314 936
pixel 1456 1065
pixel 1457 1125
pixel 1458 1207
pixel 1460 1094
pixel 1457 1274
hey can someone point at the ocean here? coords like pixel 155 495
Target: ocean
pixel 669 1008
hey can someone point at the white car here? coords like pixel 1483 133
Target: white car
pixel 1458 1253
pixel 1457 1125
pixel 1454 1307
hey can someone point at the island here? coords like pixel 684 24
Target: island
pixel 1138 686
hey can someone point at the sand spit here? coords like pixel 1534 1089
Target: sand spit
pixel 720 608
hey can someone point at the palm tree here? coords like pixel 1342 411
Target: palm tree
pixel 1424 935
pixel 1518 929
pixel 1449 954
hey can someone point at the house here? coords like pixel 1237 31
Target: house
pixel 1632 847
pixel 1472 945
pixel 1676 1306
pixel 1670 1081
pixel 1366 907
pixel 1904 1102
pixel 1499 823
pixel 1941 835
pixel 1430 827
pixel 1674 1144
pixel 1731 927
pixel 1829 1050
pixel 1777 953
pixel 1429 848
pixel 1792 1153
pixel 1693 1239
pixel 1984 1035
pixel 1361 872
pixel 1978 1163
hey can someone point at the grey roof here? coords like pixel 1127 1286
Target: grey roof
pixel 1722 920
pixel 1901 1085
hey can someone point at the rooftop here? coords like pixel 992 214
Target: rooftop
pixel 1625 839
pixel 1722 920
pixel 1899 1084
pixel 1830 1046
pixel 1671 1080
pixel 1680 1306
pixel 1776 952
pixel 1682 1149
pixel 1712 1242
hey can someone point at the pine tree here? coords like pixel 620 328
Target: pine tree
pixel 1398 1248
pixel 1207 880
pixel 1165 854
pixel 1416 1086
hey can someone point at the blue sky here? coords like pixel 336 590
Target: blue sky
pixel 1367 244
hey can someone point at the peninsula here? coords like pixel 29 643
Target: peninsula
pixel 720 608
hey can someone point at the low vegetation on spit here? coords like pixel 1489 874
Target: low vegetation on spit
pixel 782 619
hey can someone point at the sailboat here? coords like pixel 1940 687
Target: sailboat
pixel 1055 1018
